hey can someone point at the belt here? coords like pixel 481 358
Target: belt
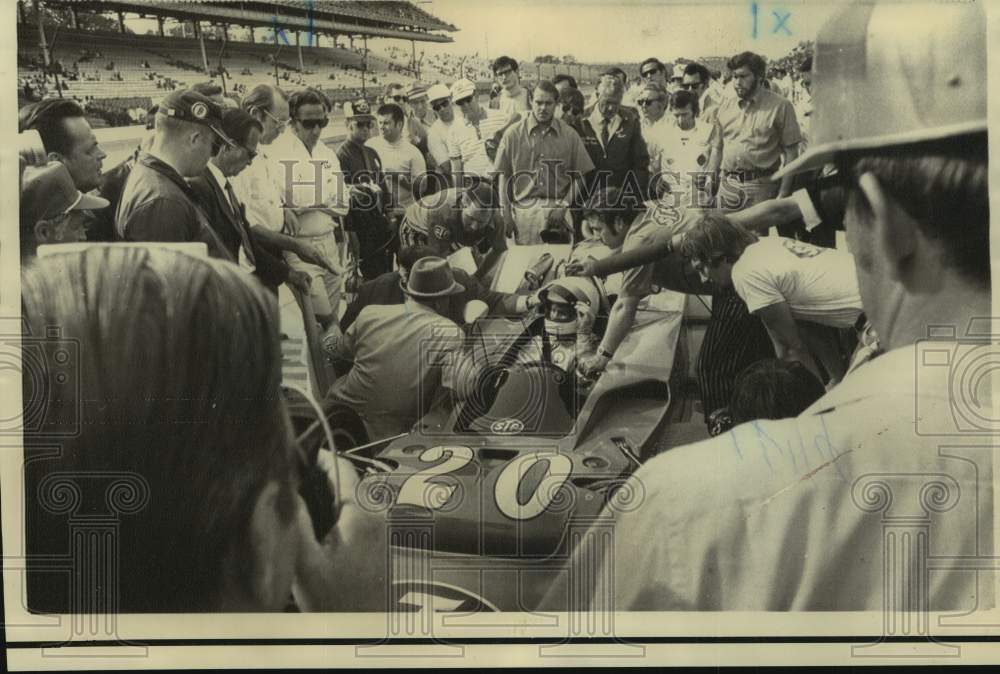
pixel 746 176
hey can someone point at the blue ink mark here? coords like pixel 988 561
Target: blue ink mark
pixel 312 23
pixel 781 22
pixel 278 30
pixel 753 14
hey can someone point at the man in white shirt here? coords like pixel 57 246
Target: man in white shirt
pixel 785 282
pixel 439 97
pixel 316 192
pixel 652 101
pixel 402 163
pixel 477 126
pixel 513 97
pixel 685 149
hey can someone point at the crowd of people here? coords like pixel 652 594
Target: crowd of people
pixel 705 184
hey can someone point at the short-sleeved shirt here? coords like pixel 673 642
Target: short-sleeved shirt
pixel 402 164
pixel 659 222
pixel 755 131
pixel 683 152
pixel 819 285
pixel 542 161
pixel 467 141
pixel 510 105
pixel 437 141
pixel 260 186
pixel 157 205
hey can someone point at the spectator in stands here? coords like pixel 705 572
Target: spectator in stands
pixel 369 229
pixel 52 209
pixel 315 191
pixel 147 311
pixel 439 97
pixel 541 162
pixel 388 289
pixel 474 136
pixel 402 163
pixel 227 215
pixel 68 139
pixel 261 186
pixel 399 352
pixel 615 145
pixel 156 203
pixel 513 97
pixel 773 389
pixel 791 285
pixel 758 131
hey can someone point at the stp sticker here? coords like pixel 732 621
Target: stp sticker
pixel 507 426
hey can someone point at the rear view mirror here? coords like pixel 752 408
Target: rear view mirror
pixel 474 310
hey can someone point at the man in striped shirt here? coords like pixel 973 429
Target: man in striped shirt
pixel 472 131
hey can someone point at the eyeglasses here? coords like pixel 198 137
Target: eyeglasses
pixel 649 101
pixel 463 101
pixel 399 99
pixel 440 105
pixel 649 73
pixel 501 73
pixel 280 122
pixel 311 124
pixel 689 86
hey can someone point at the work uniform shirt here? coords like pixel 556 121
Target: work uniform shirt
pixel 804 514
pixel 683 153
pixel 438 216
pixel 756 131
pixel 157 205
pixel 541 161
pixel 660 222
pixel 819 285
pixel 312 180
pixel 400 353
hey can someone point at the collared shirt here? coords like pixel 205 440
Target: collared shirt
pixel 755 131
pixel 467 141
pixel 542 161
pixel 804 514
pixel 596 120
pixel 311 180
pixel 260 186
pixel 157 205
pixel 221 180
pixel 437 141
pixel 399 353
pixel 650 133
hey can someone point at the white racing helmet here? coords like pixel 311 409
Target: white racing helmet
pixel 571 304
pixel 888 74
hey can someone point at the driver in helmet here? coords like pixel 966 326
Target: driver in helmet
pixel 570 306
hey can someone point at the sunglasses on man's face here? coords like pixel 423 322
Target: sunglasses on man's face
pixel 650 73
pixel 399 99
pixel 502 73
pixel 572 110
pixel 440 105
pixel 648 101
pixel 311 124
pixel 689 86
pixel 279 122
pixel 463 101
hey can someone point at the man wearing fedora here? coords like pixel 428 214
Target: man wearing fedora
pixel 399 352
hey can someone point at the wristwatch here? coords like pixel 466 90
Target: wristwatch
pixel 604 353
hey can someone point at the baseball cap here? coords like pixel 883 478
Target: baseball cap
pixel 359 109
pixel 462 89
pixel 437 92
pixel 49 192
pixel 678 72
pixel 416 91
pixel 188 105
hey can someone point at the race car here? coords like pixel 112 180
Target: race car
pixel 486 495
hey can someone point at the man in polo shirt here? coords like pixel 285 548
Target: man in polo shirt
pixel 156 203
pixel 399 352
pixel 542 163
pixel 474 135
pixel 439 97
pixel 403 164
pixel 513 97
pixel 368 228
pixel 759 131
pixel 615 145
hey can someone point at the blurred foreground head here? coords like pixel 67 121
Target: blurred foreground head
pixel 182 436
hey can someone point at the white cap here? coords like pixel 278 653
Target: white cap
pixel 678 72
pixel 462 89
pixel 437 92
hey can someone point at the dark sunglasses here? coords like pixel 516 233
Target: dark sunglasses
pixel 440 105
pixel 501 73
pixel 399 99
pixel 314 123
pixel 572 110
pixel 689 86
pixel 463 101
pixel 649 101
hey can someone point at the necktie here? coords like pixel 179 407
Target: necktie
pixel 241 225
pixel 604 134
